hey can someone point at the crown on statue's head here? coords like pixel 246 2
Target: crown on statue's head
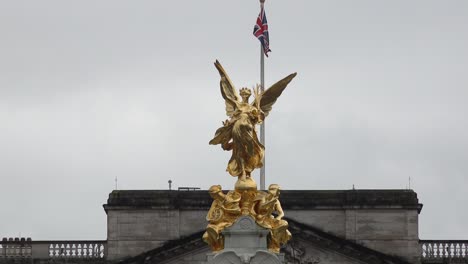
pixel 245 91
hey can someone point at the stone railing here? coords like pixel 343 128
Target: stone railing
pixel 444 249
pixel 15 248
pixel 26 248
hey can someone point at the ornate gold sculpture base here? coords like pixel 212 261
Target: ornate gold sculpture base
pixel 248 190
pixel 245 185
pixel 246 200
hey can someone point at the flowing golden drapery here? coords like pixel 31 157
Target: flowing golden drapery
pixel 239 135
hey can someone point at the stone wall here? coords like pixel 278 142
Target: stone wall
pixel 138 221
pixel 389 230
pixel 384 220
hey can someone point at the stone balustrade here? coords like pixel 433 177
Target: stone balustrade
pixel 16 248
pixel 444 249
pixel 96 249
pixel 26 248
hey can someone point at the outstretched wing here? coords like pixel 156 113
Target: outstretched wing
pixel 228 91
pixel 269 97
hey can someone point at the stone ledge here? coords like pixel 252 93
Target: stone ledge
pixel 290 199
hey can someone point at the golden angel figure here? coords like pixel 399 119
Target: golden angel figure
pixel 238 133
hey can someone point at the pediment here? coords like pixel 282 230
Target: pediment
pixel 308 246
pixel 312 245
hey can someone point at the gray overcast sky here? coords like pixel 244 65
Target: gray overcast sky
pixel 93 90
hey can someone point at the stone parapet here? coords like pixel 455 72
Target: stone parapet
pixel 290 199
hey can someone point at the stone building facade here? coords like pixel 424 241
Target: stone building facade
pixel 356 224
pixel 164 226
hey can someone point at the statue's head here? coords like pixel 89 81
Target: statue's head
pixel 245 94
pixel 215 191
pixel 274 189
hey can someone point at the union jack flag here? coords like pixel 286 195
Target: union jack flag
pixel 261 31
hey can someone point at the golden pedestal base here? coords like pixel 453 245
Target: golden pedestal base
pixel 245 185
pixel 246 200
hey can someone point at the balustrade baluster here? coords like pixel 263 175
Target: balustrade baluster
pixel 102 251
pixel 91 251
pixel 85 250
pixel 424 250
pixel 80 251
pixel 74 250
pixel 29 250
pixel 430 251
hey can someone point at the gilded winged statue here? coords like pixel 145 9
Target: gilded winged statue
pixel 238 133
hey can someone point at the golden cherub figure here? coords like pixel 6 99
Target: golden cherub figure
pixel 223 213
pixel 267 204
pixel 239 133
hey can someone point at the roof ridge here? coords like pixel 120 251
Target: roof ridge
pixel 168 249
pixel 311 234
pixel 344 246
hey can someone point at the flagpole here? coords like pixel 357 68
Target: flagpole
pixel 262 126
